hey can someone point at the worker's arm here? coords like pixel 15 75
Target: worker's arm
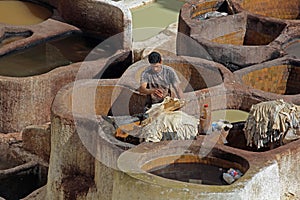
pixel 178 91
pixel 144 90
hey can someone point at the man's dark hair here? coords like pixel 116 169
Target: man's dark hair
pixel 154 57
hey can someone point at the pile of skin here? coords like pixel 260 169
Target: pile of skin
pixel 166 122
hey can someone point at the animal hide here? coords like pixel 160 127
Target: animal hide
pixel 166 122
pixel 270 121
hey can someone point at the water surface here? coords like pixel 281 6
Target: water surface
pixel 230 115
pixel 152 18
pixel 49 55
pixel 294 49
pixel 191 172
pixel 22 13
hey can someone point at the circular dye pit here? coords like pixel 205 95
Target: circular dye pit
pixel 247 33
pixel 23 13
pixel 171 167
pixel 19 173
pixel 236 137
pixel 19 185
pixel 280 77
pixel 281 9
pixel 242 30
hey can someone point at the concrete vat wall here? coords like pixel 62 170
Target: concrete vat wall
pixel 279 76
pixel 26 101
pixel 237 40
pixel 260 181
pixel 78 136
pixel 106 18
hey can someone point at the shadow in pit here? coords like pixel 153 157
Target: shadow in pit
pixel 19 184
pixel 236 138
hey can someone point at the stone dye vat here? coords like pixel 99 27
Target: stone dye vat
pixel 20 172
pixel 85 139
pixel 84 157
pixel 25 91
pixel 87 143
pixel 36 93
pixel 106 18
pixel 280 76
pixel 279 9
pixel 138 163
pixel 237 40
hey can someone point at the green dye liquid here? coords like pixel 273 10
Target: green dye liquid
pixel 152 18
pixel 230 115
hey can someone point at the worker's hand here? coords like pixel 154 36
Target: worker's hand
pixel 158 92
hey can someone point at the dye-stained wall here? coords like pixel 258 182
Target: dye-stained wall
pixel 279 9
pixel 279 76
pixel 26 101
pixel 106 18
pixel 273 79
pixel 82 163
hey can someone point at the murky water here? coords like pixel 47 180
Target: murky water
pixel 49 55
pixel 230 115
pixel 19 186
pixel 294 49
pixel 22 13
pixel 191 172
pixel 152 18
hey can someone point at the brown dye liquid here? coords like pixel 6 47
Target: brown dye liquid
pixel 22 13
pixel 152 18
pixel 50 55
pixel 192 173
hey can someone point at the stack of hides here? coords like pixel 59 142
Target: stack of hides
pixel 166 122
pixel 271 121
